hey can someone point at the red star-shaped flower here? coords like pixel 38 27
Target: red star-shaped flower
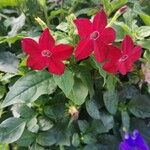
pixel 122 60
pixel 46 54
pixel 94 36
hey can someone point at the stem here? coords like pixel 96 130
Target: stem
pixel 61 147
pixel 113 19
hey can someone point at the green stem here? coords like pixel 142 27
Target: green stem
pixel 61 147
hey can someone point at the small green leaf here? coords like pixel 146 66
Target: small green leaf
pixel 145 18
pixel 22 110
pixel 2 91
pixel 29 88
pixel 125 119
pixel 44 124
pixel 11 129
pixel 8 62
pixel 15 23
pixel 75 140
pixel 142 32
pixel 32 125
pixel 111 101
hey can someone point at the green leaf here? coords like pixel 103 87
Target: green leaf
pixel 142 32
pixel 145 18
pixel 11 129
pixel 125 119
pixel 111 81
pixel 83 125
pixel 145 43
pixel 32 125
pixel 139 106
pixel 92 108
pixel 116 4
pixel 44 124
pixel 111 101
pixel 29 88
pixel 86 77
pixel 26 139
pixel 65 82
pixel 8 62
pixel 79 92
pixel 48 138
pixel 2 91
pixel 98 66
pixel 75 140
pixel 55 111
pixel 22 110
pixel 13 3
pixel 4 147
pixel 89 138
pixel 15 23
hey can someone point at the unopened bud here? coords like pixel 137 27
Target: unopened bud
pixel 123 9
pixel 73 111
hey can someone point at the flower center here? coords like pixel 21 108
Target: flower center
pixel 123 58
pixel 94 35
pixel 46 53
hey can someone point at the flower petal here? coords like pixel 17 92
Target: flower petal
pixel 124 67
pixel 108 35
pixel 46 40
pixel 110 67
pixel 136 53
pixel 56 67
pixel 100 21
pixel 124 146
pixel 30 46
pixel 36 63
pixel 62 52
pixel 114 53
pixel 140 142
pixel 127 44
pixel 84 27
pixel 84 49
pixel 100 50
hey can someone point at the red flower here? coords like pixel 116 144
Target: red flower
pixel 46 54
pixel 94 36
pixel 122 60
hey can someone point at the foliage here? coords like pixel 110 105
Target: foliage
pixel 86 107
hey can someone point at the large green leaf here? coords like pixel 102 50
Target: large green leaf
pixel 139 106
pixel 26 139
pixel 4 3
pixel 92 108
pixel 8 62
pixel 111 101
pixel 15 23
pixel 29 88
pixel 65 82
pixel 11 129
pixel 79 92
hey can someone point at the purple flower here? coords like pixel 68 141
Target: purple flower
pixel 133 142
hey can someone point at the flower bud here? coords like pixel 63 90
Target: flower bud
pixel 73 111
pixel 123 9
